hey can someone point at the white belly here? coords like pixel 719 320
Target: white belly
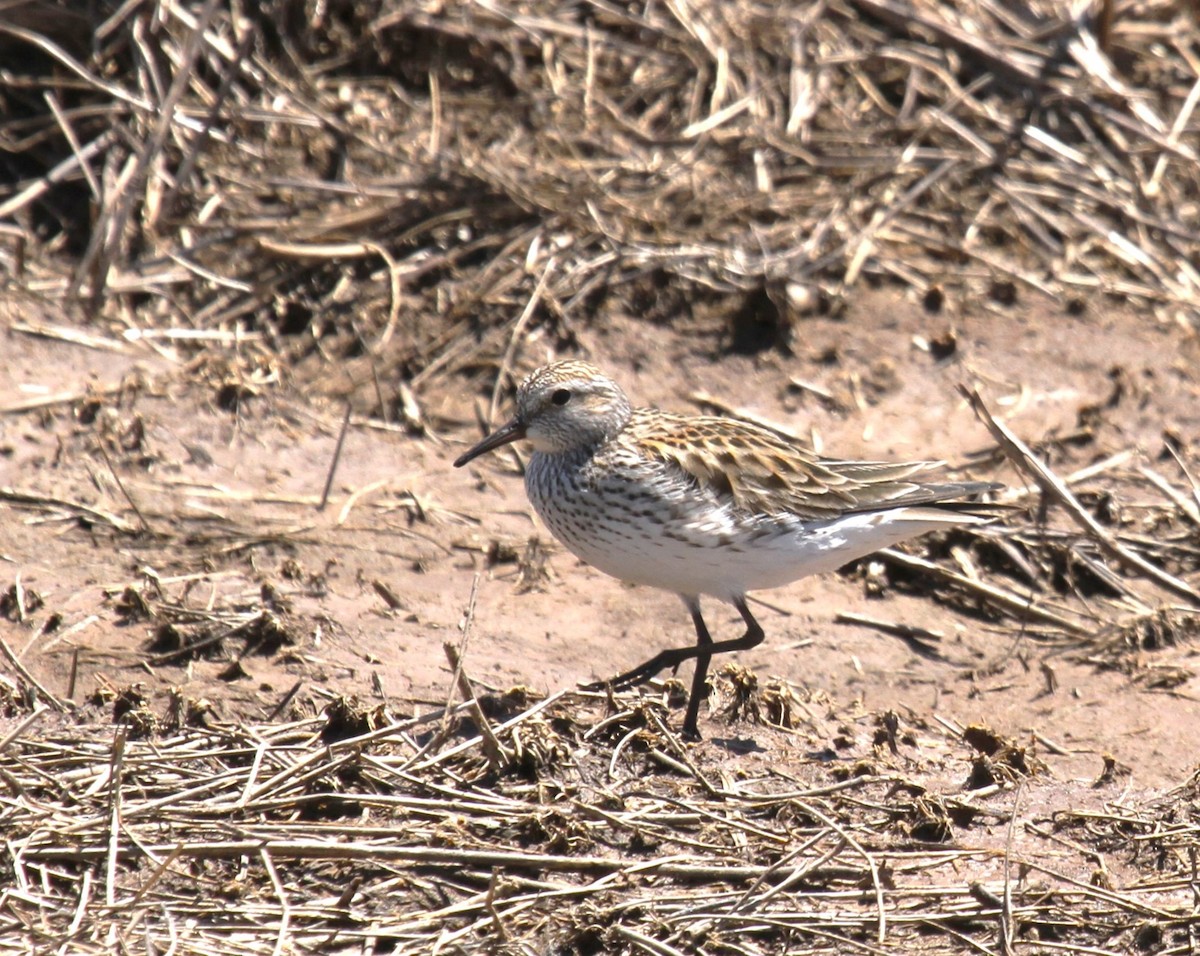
pixel 717 557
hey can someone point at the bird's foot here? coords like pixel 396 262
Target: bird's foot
pixel 641 674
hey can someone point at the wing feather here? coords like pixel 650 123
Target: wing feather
pixel 762 472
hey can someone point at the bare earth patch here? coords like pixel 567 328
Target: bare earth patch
pixel 227 603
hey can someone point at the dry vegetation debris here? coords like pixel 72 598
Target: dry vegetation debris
pixel 434 184
pixel 591 834
pixel 500 166
pixel 578 823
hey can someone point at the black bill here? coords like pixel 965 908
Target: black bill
pixel 513 431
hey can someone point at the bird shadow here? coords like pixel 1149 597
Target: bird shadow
pixel 738 745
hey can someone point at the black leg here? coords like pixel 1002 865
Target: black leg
pixel 702 652
pixel 704 642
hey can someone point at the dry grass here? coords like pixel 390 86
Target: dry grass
pixel 353 832
pixel 508 169
pixel 436 186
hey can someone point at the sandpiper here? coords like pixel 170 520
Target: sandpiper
pixel 703 505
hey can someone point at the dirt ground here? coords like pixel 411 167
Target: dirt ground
pixel 218 500
pixel 276 677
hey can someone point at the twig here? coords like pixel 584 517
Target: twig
pixel 1024 459
pixel 498 755
pixel 515 338
pixel 337 456
pixel 115 772
pixel 21 726
pixel 73 336
pixel 146 526
pixel 57 174
pixel 1021 606
pixel 32 681
pixel 387 851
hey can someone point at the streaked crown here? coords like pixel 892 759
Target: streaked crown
pixel 570 405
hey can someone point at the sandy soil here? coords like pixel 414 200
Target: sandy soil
pixel 226 523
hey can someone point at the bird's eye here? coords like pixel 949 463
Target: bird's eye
pixel 561 397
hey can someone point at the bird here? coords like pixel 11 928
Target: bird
pixel 705 506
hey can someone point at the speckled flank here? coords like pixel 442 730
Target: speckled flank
pixel 704 506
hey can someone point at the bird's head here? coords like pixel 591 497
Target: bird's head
pixel 561 407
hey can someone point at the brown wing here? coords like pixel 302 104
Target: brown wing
pixel 762 472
